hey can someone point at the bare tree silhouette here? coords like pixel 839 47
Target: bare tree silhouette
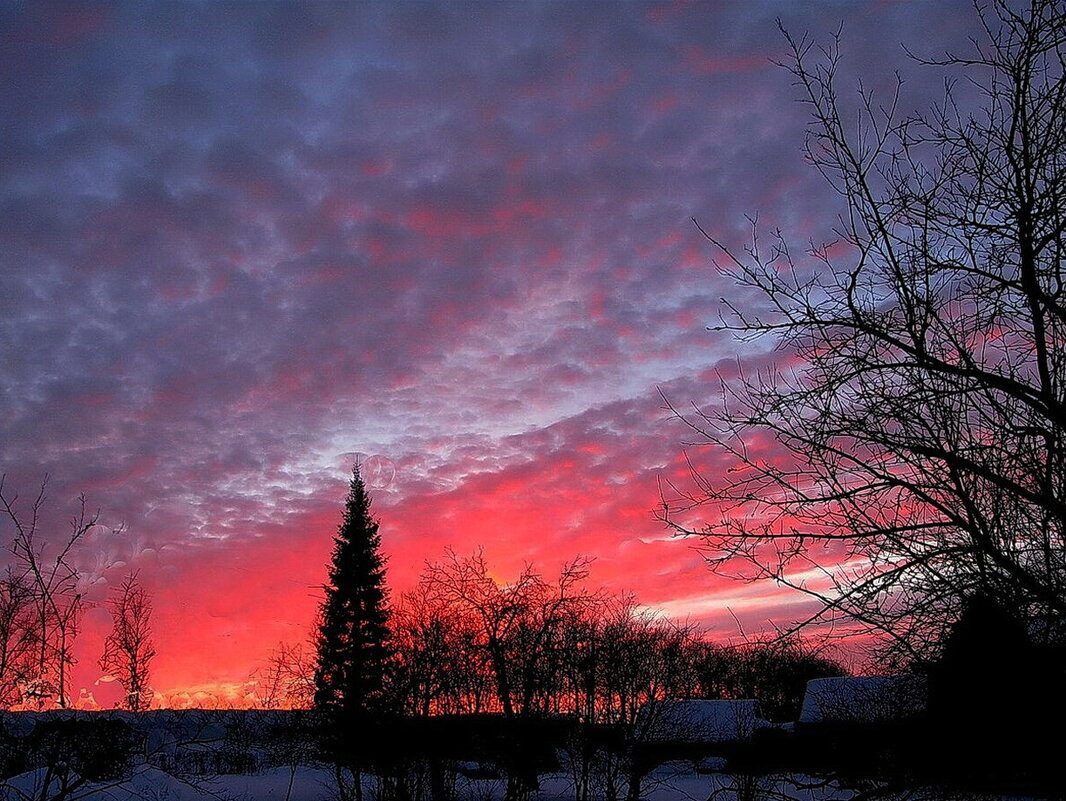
pixel 18 633
pixel 286 678
pixel 40 603
pixel 923 425
pixel 129 647
pixel 518 626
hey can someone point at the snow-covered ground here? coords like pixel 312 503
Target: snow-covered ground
pixel 673 782
pixel 206 740
pixel 679 781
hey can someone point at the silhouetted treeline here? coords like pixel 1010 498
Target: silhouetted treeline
pixel 467 643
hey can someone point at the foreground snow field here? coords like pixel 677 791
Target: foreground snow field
pixel 670 783
pixel 204 755
pixel 677 782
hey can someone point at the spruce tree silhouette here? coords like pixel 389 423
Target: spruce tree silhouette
pixel 353 636
pixel 986 651
pixel 988 694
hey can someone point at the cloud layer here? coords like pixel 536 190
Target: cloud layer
pixel 240 243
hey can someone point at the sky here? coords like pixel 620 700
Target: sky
pixel 243 245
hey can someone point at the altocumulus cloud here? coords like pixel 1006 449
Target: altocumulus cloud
pixel 238 242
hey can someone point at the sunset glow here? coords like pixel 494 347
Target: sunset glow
pixel 245 245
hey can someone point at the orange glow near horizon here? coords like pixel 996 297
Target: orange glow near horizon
pixel 217 627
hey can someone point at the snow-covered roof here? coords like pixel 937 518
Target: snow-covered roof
pixel 861 699
pixel 697 721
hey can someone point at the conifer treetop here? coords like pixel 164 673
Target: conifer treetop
pixel 353 637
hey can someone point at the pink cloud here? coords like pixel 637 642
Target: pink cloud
pixel 701 61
